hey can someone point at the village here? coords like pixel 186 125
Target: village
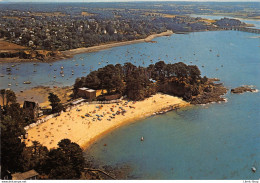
pixel 47 33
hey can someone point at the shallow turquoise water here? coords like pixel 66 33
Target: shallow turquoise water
pixel 216 141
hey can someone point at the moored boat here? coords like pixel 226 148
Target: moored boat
pixel 27 82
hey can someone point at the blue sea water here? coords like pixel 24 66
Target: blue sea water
pixel 215 141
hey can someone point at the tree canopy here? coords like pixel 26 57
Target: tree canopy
pixel 141 82
pixel 55 102
pixel 65 162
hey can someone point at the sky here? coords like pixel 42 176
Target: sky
pixel 124 0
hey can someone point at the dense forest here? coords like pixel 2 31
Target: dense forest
pixel 138 83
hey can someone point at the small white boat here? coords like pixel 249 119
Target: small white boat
pixel 142 138
pixel 253 169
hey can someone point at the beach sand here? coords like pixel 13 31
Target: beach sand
pixel 85 130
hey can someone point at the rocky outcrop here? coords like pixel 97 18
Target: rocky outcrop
pixel 243 89
pixel 213 92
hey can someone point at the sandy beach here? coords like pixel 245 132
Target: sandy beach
pixel 85 124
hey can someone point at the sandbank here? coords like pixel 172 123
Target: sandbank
pixel 86 130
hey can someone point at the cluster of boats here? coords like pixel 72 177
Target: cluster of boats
pixel 62 74
pixel 9 72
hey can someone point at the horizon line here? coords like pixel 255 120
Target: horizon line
pixel 125 1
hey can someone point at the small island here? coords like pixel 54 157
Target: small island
pixel 243 89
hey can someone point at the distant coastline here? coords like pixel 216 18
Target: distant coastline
pixel 116 44
pixel 70 53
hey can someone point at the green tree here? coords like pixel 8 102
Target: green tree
pixel 92 81
pixel 65 162
pixel 110 79
pixel 12 128
pixel 34 157
pixel 10 97
pixel 138 85
pixel 11 145
pixel 194 73
pixel 128 68
pixel 159 69
pixel 55 102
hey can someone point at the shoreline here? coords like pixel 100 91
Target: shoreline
pixel 116 44
pixel 85 130
pixel 70 53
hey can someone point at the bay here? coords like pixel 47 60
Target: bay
pixel 215 141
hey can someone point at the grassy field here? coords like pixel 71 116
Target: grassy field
pixel 4 46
